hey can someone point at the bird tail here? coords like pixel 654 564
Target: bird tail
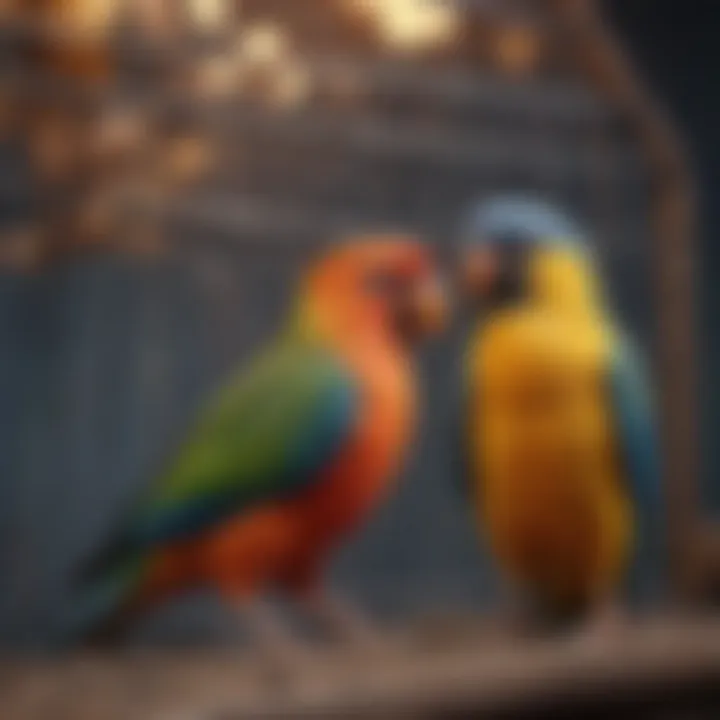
pixel 101 604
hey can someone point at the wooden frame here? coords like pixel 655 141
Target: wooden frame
pixel 661 668
pixel 694 550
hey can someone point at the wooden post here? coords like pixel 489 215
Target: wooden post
pixel 674 220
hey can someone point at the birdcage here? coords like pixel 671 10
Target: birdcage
pixel 181 159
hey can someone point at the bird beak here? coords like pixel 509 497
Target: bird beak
pixel 429 306
pixel 479 272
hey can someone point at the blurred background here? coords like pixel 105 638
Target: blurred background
pixel 166 167
pixel 674 49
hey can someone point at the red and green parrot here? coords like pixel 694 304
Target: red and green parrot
pixel 562 461
pixel 292 454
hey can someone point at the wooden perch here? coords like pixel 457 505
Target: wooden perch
pixel 648 666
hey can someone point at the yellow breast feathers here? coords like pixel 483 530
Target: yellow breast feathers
pixel 549 491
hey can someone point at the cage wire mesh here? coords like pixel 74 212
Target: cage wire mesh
pixel 180 161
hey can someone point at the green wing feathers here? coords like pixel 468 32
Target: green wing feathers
pixel 265 436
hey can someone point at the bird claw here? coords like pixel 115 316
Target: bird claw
pixel 607 623
pixel 346 624
pixel 280 655
pixel 282 663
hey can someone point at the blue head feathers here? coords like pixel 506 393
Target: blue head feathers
pixel 518 219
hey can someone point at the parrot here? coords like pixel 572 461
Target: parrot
pixel 560 461
pixel 289 457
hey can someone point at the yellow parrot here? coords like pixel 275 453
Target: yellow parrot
pixel 559 435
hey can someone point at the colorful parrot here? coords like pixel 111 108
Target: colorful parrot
pixel 292 454
pixel 558 429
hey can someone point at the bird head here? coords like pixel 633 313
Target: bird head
pixel 517 249
pixel 374 285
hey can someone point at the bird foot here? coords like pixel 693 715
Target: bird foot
pixel 346 624
pixel 281 656
pixel 282 664
pixel 605 625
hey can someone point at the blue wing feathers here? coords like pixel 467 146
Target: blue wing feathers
pixel 640 453
pixel 315 445
pixel 331 426
pixel 328 410
pixel 634 417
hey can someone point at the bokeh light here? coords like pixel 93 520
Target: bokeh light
pixel 210 15
pixel 217 76
pixel 411 24
pixel 91 19
pixel 517 49
pixel 261 44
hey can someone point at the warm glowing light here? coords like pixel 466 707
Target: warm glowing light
pixel 90 17
pixel 262 44
pixel 291 85
pixel 21 248
pixel 517 49
pixel 7 8
pixel 120 130
pixel 412 24
pixel 209 14
pixel 188 158
pixel 53 149
pixel 217 76
pixel 7 112
pixel 153 16
pixel 96 217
